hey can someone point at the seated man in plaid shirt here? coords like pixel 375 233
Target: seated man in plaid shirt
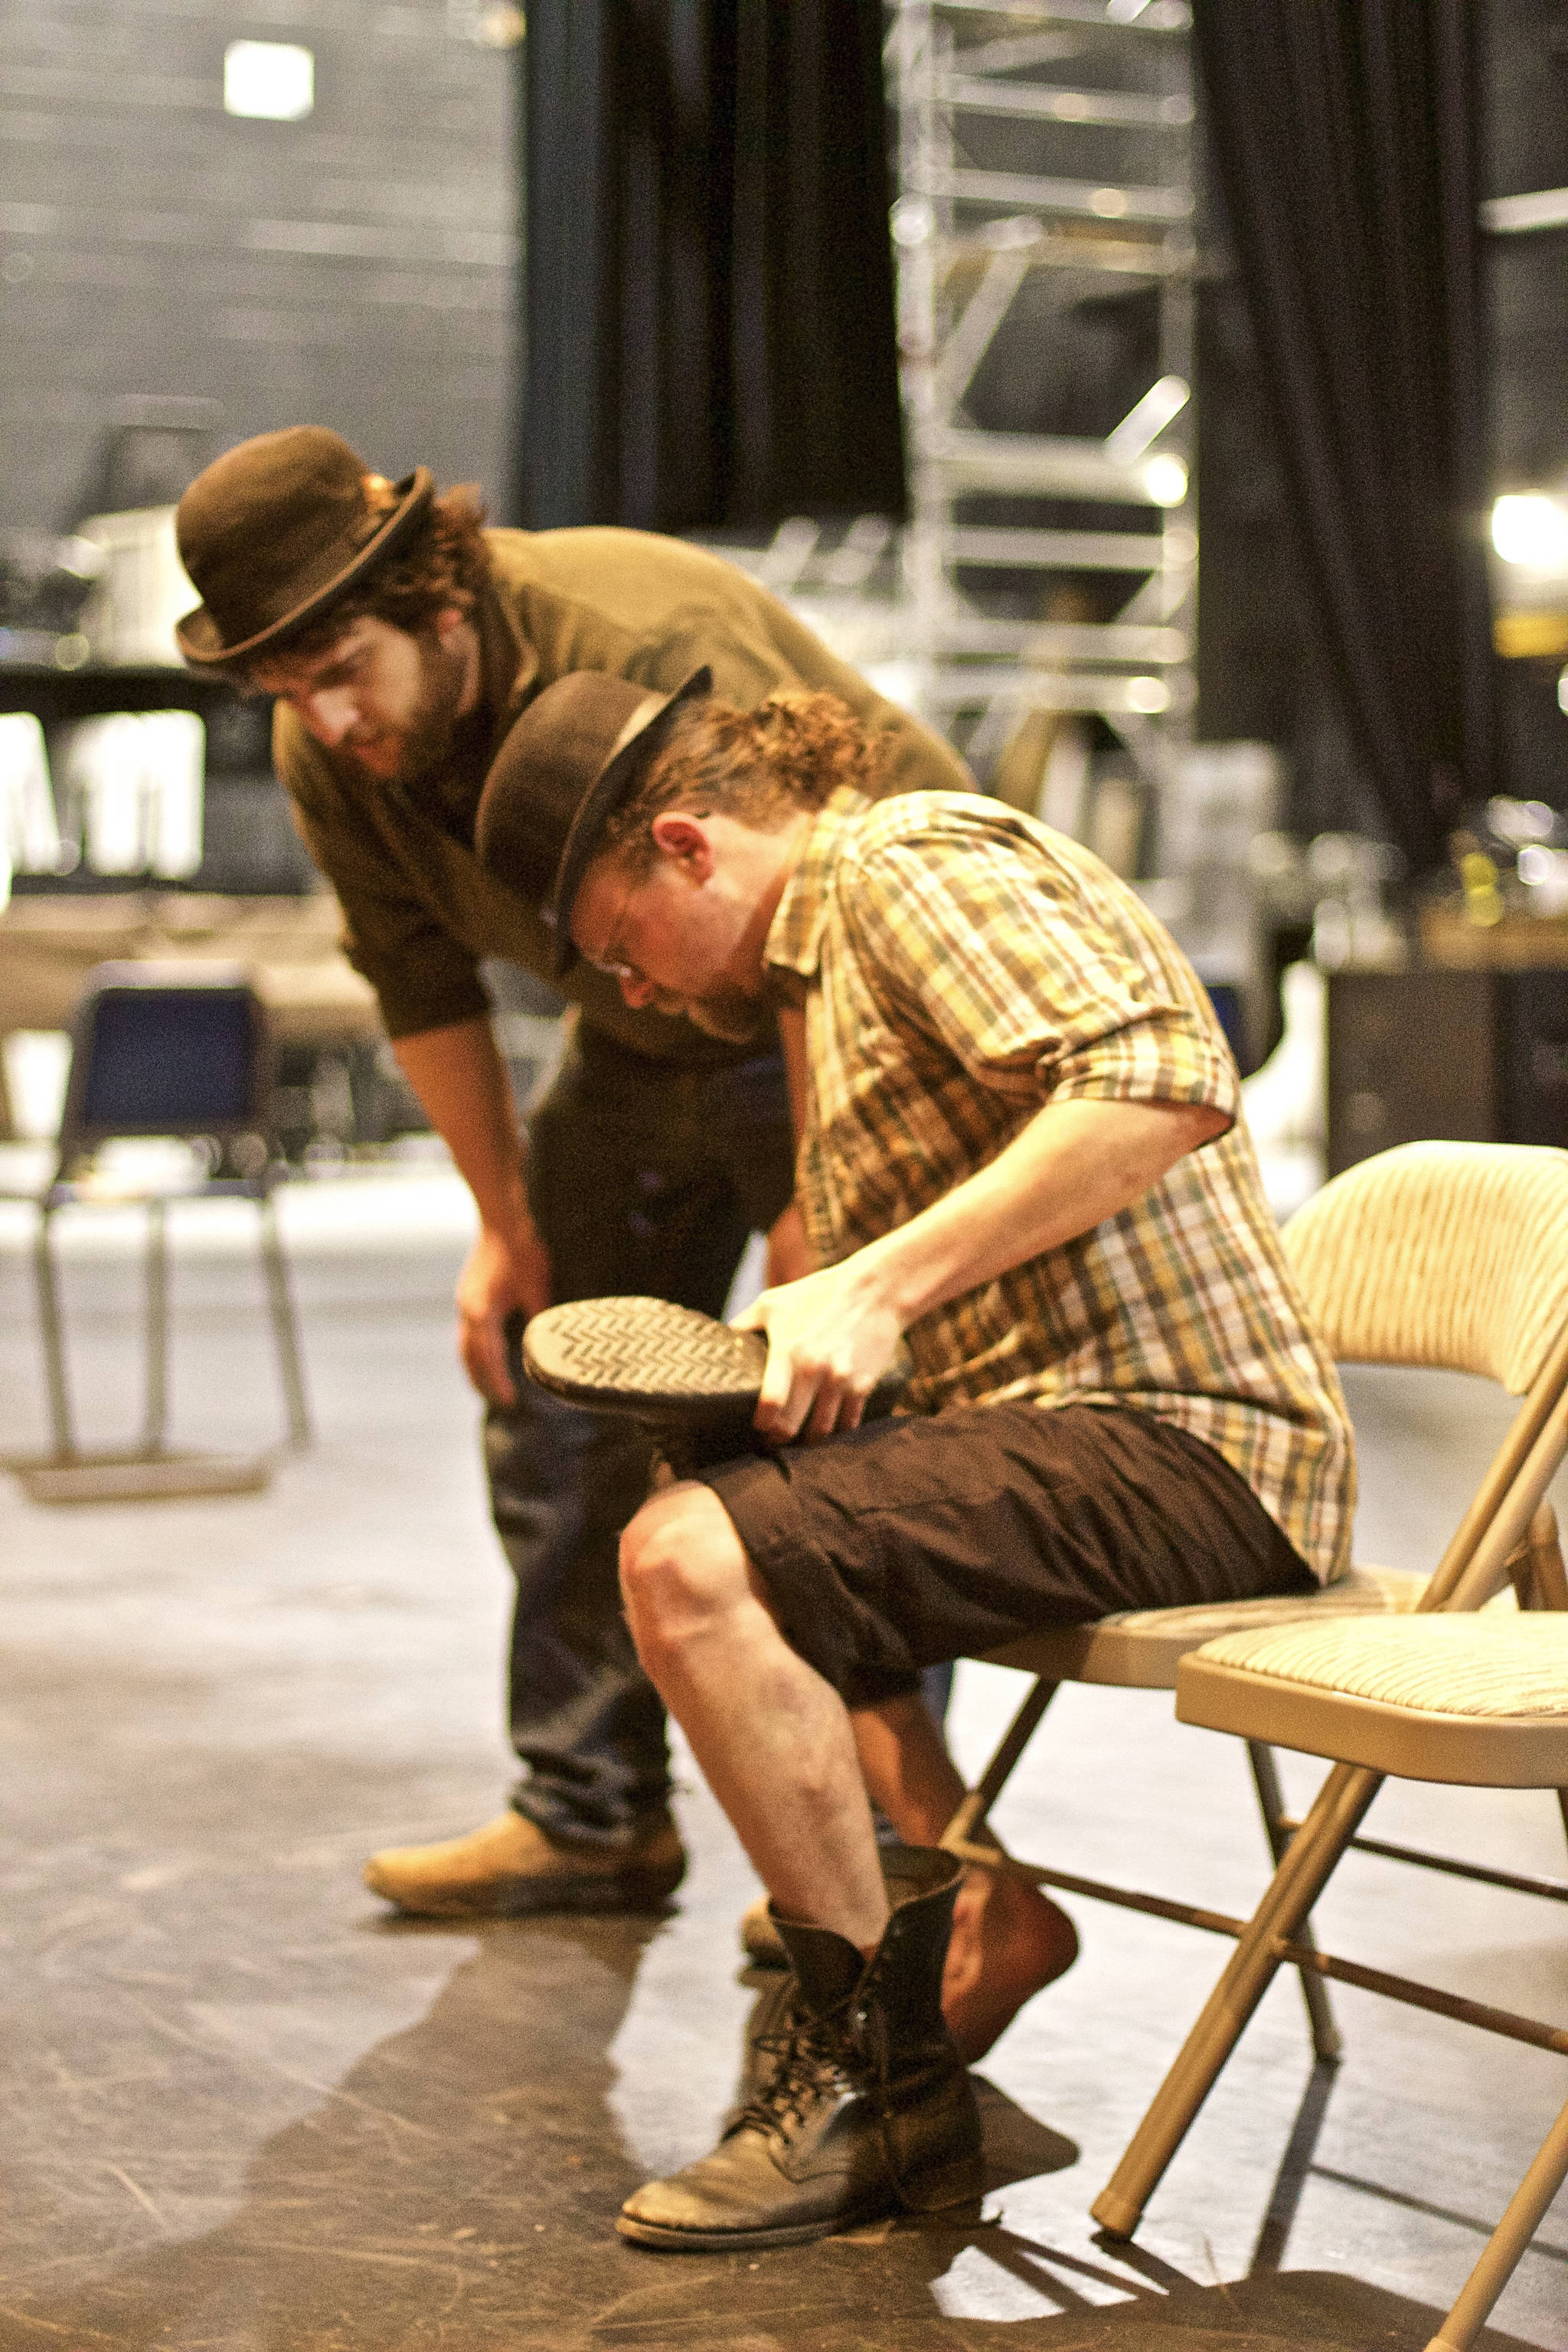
pixel 1020 1149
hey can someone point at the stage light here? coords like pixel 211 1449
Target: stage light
pixel 1165 479
pixel 275 81
pixel 1532 531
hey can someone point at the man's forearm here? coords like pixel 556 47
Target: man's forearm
pixel 1073 1166
pixel 831 1334
pixel 462 1085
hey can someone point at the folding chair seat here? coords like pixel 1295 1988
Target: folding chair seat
pixel 1474 1701
pixel 177 1050
pixel 1449 1255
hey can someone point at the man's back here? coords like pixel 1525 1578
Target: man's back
pixel 969 965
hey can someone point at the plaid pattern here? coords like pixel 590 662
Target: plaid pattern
pixel 968 965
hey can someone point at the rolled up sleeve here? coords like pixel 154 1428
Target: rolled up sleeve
pixel 1026 988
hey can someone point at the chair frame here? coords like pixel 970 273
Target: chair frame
pixel 1504 1537
pixel 1505 1523
pixel 70 1471
pixel 1272 1937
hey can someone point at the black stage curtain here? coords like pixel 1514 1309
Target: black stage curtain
pixel 710 295
pixel 1343 137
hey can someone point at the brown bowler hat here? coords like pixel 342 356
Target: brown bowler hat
pixel 576 755
pixel 273 530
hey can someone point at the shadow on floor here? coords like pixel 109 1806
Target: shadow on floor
pixel 457 2190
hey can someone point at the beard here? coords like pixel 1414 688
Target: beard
pixel 729 1014
pixel 725 1012
pixel 425 741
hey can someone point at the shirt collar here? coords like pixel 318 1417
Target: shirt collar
pixel 794 935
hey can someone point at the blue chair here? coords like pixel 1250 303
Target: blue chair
pixel 162 1049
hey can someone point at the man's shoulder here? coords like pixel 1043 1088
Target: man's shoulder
pixel 597 564
pixel 950 823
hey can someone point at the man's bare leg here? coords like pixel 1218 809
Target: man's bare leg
pixel 772 1738
pixel 1008 1938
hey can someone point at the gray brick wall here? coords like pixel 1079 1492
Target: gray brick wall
pixel 355 270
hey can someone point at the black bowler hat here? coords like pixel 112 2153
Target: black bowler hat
pixel 579 749
pixel 273 531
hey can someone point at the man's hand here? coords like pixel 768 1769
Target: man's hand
pixel 502 1273
pixel 831 1336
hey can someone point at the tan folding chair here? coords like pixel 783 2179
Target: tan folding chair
pixel 1477 1701
pixel 1452 1255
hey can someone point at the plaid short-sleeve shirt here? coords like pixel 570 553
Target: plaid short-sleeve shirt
pixel 965 966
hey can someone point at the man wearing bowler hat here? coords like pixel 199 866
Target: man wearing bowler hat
pixel 1021 1154
pixel 403 641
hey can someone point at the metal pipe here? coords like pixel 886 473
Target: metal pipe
pixel 979 1800
pixel 1328 2041
pixel 1309 1860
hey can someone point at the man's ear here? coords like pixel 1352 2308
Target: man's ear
pixel 446 624
pixel 684 840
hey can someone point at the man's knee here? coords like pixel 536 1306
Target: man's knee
pixel 683 1567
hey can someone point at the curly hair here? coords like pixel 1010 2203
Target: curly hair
pixel 441 566
pixel 762 766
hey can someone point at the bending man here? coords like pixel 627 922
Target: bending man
pixel 1020 1149
pixel 401 641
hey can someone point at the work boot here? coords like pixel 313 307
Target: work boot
pixel 511 1867
pixel 860 2106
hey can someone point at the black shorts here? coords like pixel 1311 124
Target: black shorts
pixel 939 1537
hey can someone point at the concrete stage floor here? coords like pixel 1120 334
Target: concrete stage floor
pixel 249 2111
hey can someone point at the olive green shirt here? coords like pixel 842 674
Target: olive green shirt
pixel 419 912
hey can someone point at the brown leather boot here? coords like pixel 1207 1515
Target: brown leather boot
pixel 511 1867
pixel 860 2105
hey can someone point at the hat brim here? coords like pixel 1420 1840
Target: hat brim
pixel 201 640
pixel 612 785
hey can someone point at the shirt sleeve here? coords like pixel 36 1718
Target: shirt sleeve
pixel 423 976
pixel 1001 954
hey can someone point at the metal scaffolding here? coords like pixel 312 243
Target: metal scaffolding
pixel 1045 573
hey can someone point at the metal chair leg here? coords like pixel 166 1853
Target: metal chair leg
pixel 1328 2041
pixel 1540 1581
pixel 157 1327
pixel 1310 1860
pixel 972 1813
pixel 285 1328
pixel 1500 2254
pixel 52 1330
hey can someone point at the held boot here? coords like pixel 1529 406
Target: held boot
pixel 858 2104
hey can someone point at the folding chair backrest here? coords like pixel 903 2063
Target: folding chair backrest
pixel 165 1049
pixel 1452 1255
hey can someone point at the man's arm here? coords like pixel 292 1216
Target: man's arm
pixel 831 1335
pixel 462 1084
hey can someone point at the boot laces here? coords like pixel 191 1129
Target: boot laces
pixel 845 2047
pixel 813 2054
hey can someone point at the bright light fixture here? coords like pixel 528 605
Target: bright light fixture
pixel 1531 530
pixel 1165 479
pixel 273 81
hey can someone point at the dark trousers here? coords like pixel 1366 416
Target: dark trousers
pixel 643 1179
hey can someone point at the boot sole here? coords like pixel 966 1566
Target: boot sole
pixel 804 2234
pixel 665 1365
pixel 718 2241
pixel 646 1358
